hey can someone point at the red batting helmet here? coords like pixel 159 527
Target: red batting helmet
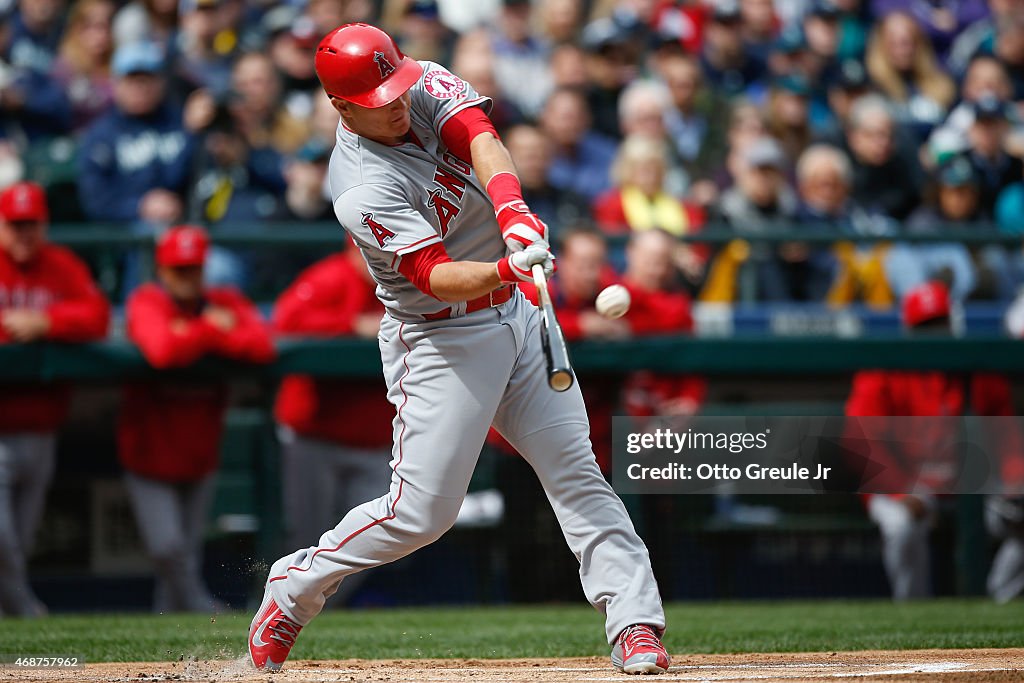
pixel 361 64
pixel 926 302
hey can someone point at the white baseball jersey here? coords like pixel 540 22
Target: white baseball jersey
pixel 396 200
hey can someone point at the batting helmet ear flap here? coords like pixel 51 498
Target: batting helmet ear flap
pixel 362 64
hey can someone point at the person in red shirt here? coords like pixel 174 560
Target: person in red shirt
pixel 335 433
pixel 46 293
pixel 657 308
pixel 169 430
pixel 929 463
pixel 583 271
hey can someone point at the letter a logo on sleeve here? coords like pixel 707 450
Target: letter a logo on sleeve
pixel 444 85
pixel 386 67
pixel 382 234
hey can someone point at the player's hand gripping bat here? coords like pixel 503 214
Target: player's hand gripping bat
pixel 560 375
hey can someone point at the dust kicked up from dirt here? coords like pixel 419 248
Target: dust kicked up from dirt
pixel 946 666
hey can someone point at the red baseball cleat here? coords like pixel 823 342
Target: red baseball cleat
pixel 271 636
pixel 638 650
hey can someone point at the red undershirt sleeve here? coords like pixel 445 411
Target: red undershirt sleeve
pixel 417 266
pixel 461 129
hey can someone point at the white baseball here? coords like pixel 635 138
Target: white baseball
pixel 613 301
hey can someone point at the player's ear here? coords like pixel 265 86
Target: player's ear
pixel 341 106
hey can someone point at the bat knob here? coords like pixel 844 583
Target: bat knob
pixel 560 381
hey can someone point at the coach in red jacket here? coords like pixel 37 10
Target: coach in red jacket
pixel 335 433
pixel 169 431
pixel 46 293
pixel 929 463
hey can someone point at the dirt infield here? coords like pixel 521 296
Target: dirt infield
pixel 947 666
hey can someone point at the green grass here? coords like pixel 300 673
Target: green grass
pixel 554 631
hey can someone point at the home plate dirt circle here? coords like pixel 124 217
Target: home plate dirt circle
pixel 947 666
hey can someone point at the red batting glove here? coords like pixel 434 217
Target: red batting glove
pixel 520 227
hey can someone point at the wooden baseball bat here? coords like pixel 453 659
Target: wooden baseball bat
pixel 560 375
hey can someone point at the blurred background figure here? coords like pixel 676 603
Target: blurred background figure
pixel 885 180
pixel 82 68
pixel 953 200
pixel 728 67
pixel 903 66
pixel 581 158
pixel 146 21
pixel 531 153
pixel 202 51
pixel 335 433
pixel 46 293
pixel 520 58
pixel 905 520
pixel 135 159
pixel 169 430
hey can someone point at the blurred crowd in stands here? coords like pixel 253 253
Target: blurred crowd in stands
pixel 841 118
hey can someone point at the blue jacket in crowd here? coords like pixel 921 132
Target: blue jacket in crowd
pixel 124 157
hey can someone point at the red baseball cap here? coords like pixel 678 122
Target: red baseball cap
pixel 182 245
pixel 24 202
pixel 926 302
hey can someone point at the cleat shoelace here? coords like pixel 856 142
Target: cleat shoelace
pixel 639 637
pixel 284 631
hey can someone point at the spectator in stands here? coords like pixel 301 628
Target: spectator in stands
pixel 1009 48
pixel 985 77
pixel 561 20
pixel 940 20
pixel 146 21
pixel 902 64
pixel 955 202
pixel 640 203
pixel 305 175
pixel 849 83
pixel 760 26
pixel 46 293
pixel 256 106
pixel 32 105
pixel 988 137
pixel 727 66
pixel 696 122
pixel 520 58
pixel 643 108
pixel 978 38
pixel 234 181
pixel 169 430
pixel 473 61
pixel 787 115
pixel 926 465
pixel 134 160
pixel 801 272
pixel 746 125
pixel 760 201
pixel 335 433
pixel 291 37
pixel 581 158
pixel 884 180
pixel 35 30
pixel 612 64
pixel 83 66
pixel 531 153
pixel 201 54
pixel 420 33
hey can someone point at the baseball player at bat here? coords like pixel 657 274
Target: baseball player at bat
pixel 429 194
